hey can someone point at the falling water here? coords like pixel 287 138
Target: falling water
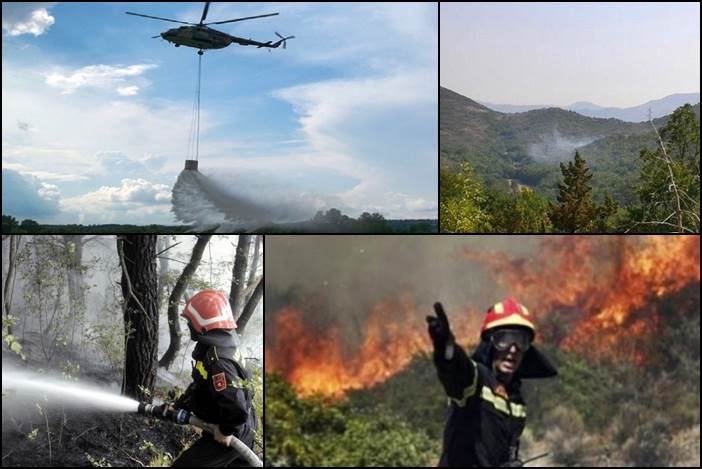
pixel 203 201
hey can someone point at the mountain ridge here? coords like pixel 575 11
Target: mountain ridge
pixel 659 107
pixel 527 147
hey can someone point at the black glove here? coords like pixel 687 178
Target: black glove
pixel 185 401
pixel 439 329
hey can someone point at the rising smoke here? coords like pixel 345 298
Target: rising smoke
pixel 340 278
pixel 554 147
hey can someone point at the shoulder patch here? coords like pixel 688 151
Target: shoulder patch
pixel 219 381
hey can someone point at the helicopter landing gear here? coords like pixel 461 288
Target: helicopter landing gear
pixel 200 52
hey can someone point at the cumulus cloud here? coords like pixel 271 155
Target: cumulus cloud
pixel 134 201
pixel 106 77
pixel 131 191
pixel 26 18
pixel 26 196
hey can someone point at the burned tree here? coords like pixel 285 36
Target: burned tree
pixel 139 284
pixel 174 300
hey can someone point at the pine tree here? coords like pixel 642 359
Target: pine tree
pixel 606 220
pixel 576 211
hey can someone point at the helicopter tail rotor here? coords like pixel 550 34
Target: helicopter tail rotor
pixel 283 40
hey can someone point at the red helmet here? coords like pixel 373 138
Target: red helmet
pixel 505 314
pixel 209 310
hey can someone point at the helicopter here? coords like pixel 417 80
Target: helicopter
pixel 201 36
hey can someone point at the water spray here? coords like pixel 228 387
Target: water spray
pixel 23 384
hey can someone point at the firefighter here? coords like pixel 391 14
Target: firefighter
pixel 487 412
pixel 220 392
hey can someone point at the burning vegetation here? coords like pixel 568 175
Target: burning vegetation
pixel 599 297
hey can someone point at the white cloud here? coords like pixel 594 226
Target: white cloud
pixel 378 126
pixel 99 76
pixel 49 191
pixel 128 90
pixel 26 18
pixel 84 135
pixel 131 191
pixel 374 129
pixel 134 201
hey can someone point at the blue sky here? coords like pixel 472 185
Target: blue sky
pixel 611 54
pixel 96 114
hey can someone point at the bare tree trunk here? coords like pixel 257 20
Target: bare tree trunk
pixel 162 268
pixel 9 286
pixel 250 307
pixel 241 260
pixel 74 276
pixel 139 283
pixel 174 300
pixel 254 260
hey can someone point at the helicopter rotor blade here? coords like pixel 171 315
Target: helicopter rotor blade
pixel 243 19
pixel 284 38
pixel 204 12
pixel 157 18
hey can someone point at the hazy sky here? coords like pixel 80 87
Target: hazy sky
pixel 95 113
pixel 611 54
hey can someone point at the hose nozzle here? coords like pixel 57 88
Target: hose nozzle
pixel 165 412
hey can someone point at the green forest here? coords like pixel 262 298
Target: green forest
pixel 602 189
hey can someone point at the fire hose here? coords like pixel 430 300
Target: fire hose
pixel 183 417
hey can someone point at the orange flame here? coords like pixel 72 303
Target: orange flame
pixel 314 360
pixel 606 280
pixel 606 287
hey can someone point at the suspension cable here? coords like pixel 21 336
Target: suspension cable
pixel 193 150
pixel 199 78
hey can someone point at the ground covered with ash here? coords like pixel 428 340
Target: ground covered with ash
pixel 72 437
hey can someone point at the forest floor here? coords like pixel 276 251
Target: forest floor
pixel 84 438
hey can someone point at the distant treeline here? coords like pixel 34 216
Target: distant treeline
pixel 331 221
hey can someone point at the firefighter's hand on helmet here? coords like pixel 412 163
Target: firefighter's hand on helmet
pixel 222 438
pixel 439 329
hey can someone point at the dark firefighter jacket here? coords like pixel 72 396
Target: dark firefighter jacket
pixel 483 428
pixel 222 391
